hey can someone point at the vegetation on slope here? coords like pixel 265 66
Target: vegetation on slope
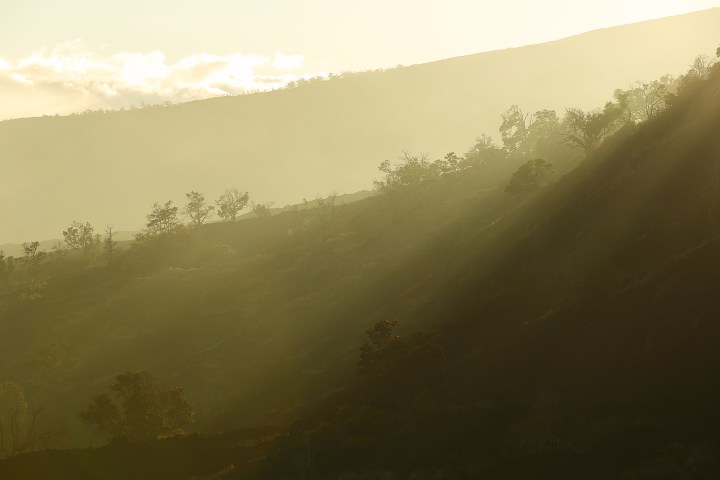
pixel 555 332
pixel 579 344
pixel 286 145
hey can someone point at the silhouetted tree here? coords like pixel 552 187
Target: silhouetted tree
pixel 644 100
pixel 22 428
pixel 161 221
pixel 543 134
pixel 230 203
pixel 699 71
pixel 451 163
pixel 138 409
pixel 514 129
pixel 196 209
pixel 484 150
pixel 379 342
pixel 525 135
pixel 399 361
pixel 31 251
pixel 80 236
pixel 586 129
pixel 412 171
pixel 109 244
pixel 33 258
pixel 529 176
pixel 262 210
pixel 701 66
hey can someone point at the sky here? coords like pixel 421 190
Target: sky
pixel 64 56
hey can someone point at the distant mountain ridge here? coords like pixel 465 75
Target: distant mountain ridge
pixel 16 249
pixel 326 136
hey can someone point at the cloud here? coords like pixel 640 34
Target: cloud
pixel 72 77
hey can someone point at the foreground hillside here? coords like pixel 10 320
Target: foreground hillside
pixel 256 319
pixel 286 145
pixel 578 342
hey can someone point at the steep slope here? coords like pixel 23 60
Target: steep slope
pixel 569 334
pixel 281 146
pixel 580 342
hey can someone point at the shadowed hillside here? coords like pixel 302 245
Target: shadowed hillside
pixel 329 135
pixel 256 318
pixel 568 331
pixel 578 343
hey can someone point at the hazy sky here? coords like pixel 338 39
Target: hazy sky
pixel 69 55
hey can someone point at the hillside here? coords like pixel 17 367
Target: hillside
pixel 569 333
pixel 580 342
pixel 323 137
pixel 565 333
pixel 256 318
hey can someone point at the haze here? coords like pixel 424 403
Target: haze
pixel 238 241
pixel 70 56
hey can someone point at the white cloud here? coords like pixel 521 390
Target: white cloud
pixel 71 77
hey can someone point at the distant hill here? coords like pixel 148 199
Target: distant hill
pixel 331 135
pixel 16 249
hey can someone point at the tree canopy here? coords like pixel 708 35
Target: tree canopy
pixel 230 203
pixel 138 409
pixel 160 221
pixel 196 209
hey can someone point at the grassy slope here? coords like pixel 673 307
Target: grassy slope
pixel 255 319
pixel 579 325
pixel 583 341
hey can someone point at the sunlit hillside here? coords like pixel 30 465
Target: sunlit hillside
pixel 314 139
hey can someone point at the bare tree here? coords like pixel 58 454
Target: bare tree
pixel 22 428
pixel 110 244
pixel 655 95
pixel 587 129
pixel 701 66
pixel 230 203
pixel 196 209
